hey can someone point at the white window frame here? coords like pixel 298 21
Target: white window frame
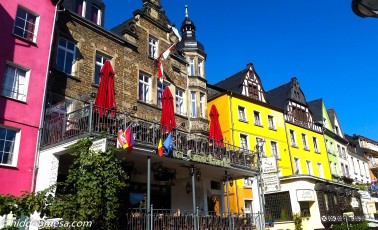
pixel 343 152
pixel 320 170
pixel 244 141
pixel 257 118
pixel 274 148
pixel 144 87
pixel 342 169
pixel 251 206
pixel 292 138
pixel 261 148
pixel 83 9
pixel 304 141
pixel 16 147
pixel 160 86
pixel 153 44
pixel 202 105
pixel 193 98
pixel 200 67
pixel 271 123
pixel 309 167
pixel 66 51
pixel 339 151
pixel 192 68
pixel 180 102
pixel 316 146
pixel 25 22
pixel 242 113
pixel 297 165
pixel 98 66
pixel 14 85
pixel 247 182
pixel 331 168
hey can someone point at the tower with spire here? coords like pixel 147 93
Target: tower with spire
pixel 195 56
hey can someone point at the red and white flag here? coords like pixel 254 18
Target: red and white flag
pixel 162 57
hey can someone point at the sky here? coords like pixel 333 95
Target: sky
pixel 331 51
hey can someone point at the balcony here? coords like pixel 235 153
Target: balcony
pixel 87 122
pixel 304 124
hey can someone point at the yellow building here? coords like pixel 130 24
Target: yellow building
pixel 246 118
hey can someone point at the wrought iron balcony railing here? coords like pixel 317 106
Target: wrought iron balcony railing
pixel 88 122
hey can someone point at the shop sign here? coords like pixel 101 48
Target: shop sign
pixel 271 183
pixel 305 195
pixel 99 145
pixel 207 159
pixel 370 206
pixel 354 202
pixel 269 165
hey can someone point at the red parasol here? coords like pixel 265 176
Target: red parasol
pixel 167 120
pixel 105 98
pixel 215 129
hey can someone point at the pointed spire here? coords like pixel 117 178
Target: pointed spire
pixel 186 11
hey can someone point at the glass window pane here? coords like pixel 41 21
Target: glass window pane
pixel 69 62
pixel 11 135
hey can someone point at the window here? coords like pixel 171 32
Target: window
pixel 256 115
pixel 191 67
pixel 25 24
pixel 152 47
pixel 96 15
pixel 100 60
pixel 160 88
pixel 194 104
pixel 247 206
pixel 66 56
pixel 347 170
pixel 342 169
pixel 309 167
pixel 297 166
pixel 248 182
pixel 292 138
pixel 260 148
pixel 271 122
pixel 241 111
pixel 274 148
pixel 320 170
pixel 15 84
pixel 179 102
pixel 315 141
pixel 343 152
pixel 202 105
pixel 9 141
pixel 200 67
pixel 304 140
pixel 80 6
pixel 331 167
pixel 144 87
pixel 335 168
pixel 339 150
pixel 278 207
pixel 243 141
pixel 336 130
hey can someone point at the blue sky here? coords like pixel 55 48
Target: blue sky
pixel 332 52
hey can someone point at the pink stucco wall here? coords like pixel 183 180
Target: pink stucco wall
pixel 24 115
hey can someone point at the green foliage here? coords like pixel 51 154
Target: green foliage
pixel 298 221
pixel 91 190
pixel 357 226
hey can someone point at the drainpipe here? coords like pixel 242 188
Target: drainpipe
pixel 42 117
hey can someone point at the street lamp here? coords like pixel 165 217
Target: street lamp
pixel 260 184
pixel 365 8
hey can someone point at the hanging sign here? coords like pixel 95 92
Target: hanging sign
pixel 99 145
pixel 271 183
pixel 269 165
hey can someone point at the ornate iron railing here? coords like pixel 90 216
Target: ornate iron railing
pixel 87 121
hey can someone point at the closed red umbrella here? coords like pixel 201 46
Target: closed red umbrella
pixel 167 119
pixel 215 134
pixel 105 98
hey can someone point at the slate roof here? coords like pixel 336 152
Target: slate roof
pixel 279 96
pixel 121 28
pixel 233 83
pixel 331 115
pixel 316 107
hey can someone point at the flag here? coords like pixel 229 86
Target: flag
pixel 121 140
pixel 161 58
pixel 129 139
pixel 168 145
pixel 160 148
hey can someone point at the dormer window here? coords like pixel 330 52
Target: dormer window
pixel 96 15
pixel 80 6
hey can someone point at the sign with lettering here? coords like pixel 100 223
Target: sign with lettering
pixel 202 158
pixel 271 183
pixel 370 206
pixel 354 202
pixel 99 145
pixel 269 165
pixel 305 195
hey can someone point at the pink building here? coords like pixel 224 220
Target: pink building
pixel 26 31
